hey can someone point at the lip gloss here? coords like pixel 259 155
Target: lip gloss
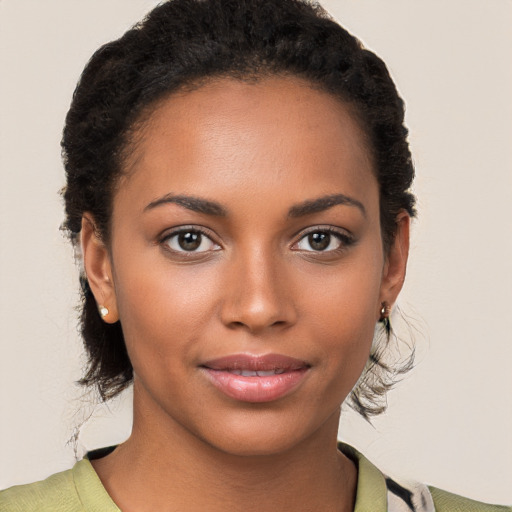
pixel 256 379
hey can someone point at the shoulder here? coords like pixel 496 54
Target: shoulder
pixel 447 502
pixel 380 493
pixel 76 490
pixel 56 493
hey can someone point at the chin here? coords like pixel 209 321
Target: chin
pixel 267 434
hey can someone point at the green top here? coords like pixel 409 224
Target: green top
pixel 80 490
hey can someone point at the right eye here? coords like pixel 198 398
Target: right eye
pixel 191 241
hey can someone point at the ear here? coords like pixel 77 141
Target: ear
pixel 98 269
pixel 395 265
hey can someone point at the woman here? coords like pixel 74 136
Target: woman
pixel 238 181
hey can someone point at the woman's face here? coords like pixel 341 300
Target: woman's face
pixel 246 264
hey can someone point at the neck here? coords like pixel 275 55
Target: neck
pixel 163 466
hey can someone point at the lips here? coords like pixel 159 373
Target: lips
pixel 261 373
pixel 253 378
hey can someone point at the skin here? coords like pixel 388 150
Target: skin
pixel 256 286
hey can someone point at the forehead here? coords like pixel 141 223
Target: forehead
pixel 274 134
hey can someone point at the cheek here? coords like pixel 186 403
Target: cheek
pixel 343 315
pixel 164 310
pixel 346 342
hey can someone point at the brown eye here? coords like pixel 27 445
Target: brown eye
pixel 190 241
pixel 323 241
pixel 319 241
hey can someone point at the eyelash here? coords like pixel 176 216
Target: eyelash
pixel 345 240
pixel 185 230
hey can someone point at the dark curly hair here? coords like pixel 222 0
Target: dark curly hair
pixel 181 44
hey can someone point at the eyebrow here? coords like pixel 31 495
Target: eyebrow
pixel 324 203
pixel 208 207
pixel 196 204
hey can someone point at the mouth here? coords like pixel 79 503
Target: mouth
pixel 256 379
pixel 260 373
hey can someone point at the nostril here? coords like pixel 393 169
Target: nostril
pixel 253 327
pixel 257 304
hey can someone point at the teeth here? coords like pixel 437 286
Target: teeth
pixel 259 373
pixel 266 373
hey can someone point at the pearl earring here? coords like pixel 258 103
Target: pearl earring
pixel 103 311
pixel 385 310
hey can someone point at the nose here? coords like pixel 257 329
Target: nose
pixel 258 295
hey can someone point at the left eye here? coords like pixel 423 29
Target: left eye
pixel 320 241
pixel 190 241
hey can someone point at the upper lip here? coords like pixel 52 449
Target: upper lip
pixel 266 362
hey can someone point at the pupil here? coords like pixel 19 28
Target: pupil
pixel 189 241
pixel 319 241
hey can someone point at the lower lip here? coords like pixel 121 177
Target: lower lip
pixel 256 389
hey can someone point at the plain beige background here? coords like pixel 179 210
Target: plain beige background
pixel 450 422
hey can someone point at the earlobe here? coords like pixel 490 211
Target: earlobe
pixel 98 270
pixel 394 271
